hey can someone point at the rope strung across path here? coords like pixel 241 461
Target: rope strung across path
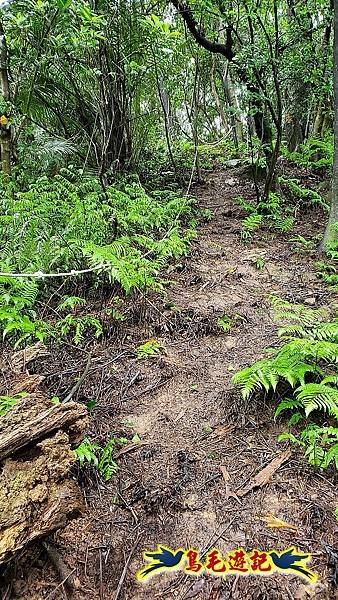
pixel 41 275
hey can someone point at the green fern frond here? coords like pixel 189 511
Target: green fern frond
pixel 318 396
pixel 258 376
pixel 287 404
pixel 331 379
pixel 288 331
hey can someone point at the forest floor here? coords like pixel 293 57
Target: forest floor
pixel 170 488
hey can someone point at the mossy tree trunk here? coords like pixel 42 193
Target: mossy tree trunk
pixel 331 232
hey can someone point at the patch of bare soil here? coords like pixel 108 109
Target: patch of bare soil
pixel 200 443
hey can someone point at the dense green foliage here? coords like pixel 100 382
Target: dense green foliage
pixel 66 224
pixel 100 457
pixel 307 364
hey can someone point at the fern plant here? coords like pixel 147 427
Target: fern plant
pixel 314 152
pixel 306 363
pixel 327 270
pixel 271 213
pixel 101 458
pixel 77 326
pixel 304 195
pixel 86 452
pixel 66 223
pixel 107 467
pixel 320 444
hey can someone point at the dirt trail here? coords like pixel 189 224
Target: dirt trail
pixel 171 489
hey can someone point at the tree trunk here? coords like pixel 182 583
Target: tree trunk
pixel 331 232
pixel 319 119
pixel 217 98
pixel 5 128
pixel 232 102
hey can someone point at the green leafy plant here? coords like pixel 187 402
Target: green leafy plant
pixel 148 349
pixel 306 196
pixel 327 271
pixel 77 326
pixel 107 466
pixel 259 263
pixel 71 302
pixel 7 402
pixel 320 444
pixel 87 452
pixel 310 352
pixel 271 213
pixel 98 456
pixel 314 153
pixel 301 245
pixel 66 223
pixel 225 323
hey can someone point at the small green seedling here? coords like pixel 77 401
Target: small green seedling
pixel 86 452
pixel 128 423
pixel 100 458
pixel 208 429
pixel 148 349
pixel 259 263
pixel 225 323
pixel 302 245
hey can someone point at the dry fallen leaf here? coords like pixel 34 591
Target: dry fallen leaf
pixel 274 522
pixel 265 475
pixel 225 473
pixel 223 430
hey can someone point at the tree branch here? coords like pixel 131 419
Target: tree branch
pixel 186 13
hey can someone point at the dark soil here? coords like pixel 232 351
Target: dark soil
pixel 169 488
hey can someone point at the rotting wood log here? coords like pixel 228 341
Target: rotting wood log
pixel 34 417
pixel 26 383
pixel 20 359
pixel 36 495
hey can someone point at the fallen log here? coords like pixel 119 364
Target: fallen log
pixel 36 495
pixel 34 418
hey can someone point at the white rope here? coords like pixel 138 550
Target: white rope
pixel 41 275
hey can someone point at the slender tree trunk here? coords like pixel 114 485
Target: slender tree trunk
pixel 5 128
pixel 217 98
pixel 331 232
pixel 324 102
pixel 165 109
pixel 319 119
pixel 232 102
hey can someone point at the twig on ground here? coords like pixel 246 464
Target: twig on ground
pixel 130 448
pixel 80 381
pixel 125 569
pixel 128 507
pixel 66 576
